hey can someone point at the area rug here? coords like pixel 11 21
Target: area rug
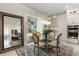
pixel 29 51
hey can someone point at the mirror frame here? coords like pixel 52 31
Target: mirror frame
pixel 22 31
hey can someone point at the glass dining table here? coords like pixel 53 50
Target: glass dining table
pixel 47 40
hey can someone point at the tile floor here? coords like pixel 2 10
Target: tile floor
pixel 74 46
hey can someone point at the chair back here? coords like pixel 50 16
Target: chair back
pixel 58 39
pixel 38 34
pixel 35 37
pixel 51 36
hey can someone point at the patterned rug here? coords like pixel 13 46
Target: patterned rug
pixel 29 51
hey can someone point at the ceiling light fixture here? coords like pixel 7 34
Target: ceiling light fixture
pixel 49 18
pixel 54 16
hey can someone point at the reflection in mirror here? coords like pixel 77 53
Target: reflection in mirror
pixel 12 31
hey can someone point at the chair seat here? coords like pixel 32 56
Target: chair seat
pixel 40 44
pixel 53 43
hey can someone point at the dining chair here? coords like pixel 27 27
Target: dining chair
pixel 37 43
pixel 56 43
pixel 51 36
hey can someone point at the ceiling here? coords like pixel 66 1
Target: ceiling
pixel 50 8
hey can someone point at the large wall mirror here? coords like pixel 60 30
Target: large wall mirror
pixel 12 31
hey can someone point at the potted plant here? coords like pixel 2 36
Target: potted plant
pixel 46 32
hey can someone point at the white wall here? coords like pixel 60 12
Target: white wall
pixel 18 9
pixel 62 25
pixel 60 22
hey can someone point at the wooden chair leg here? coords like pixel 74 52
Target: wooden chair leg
pixel 34 50
pixel 38 51
pixel 57 51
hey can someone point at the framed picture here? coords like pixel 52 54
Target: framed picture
pixel 32 24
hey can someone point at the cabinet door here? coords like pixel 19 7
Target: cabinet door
pixel 73 19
